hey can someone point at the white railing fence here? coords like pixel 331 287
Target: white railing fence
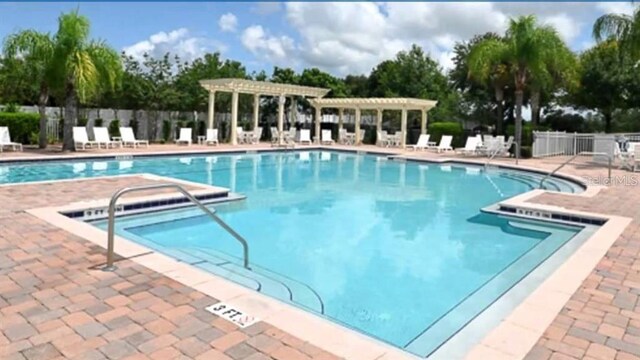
pixel 555 143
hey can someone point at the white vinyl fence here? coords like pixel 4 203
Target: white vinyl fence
pixel 548 143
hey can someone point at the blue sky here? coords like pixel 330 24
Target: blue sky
pixel 337 37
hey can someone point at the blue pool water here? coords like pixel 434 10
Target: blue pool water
pixel 397 250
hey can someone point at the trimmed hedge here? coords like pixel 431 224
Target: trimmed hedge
pixel 437 129
pixel 21 125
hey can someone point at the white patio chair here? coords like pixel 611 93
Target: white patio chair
pixel 255 135
pixel 81 138
pixel 636 157
pixel 382 138
pixel 326 137
pixel 470 147
pixel 128 138
pixel 185 136
pixel 305 137
pixel 422 144
pixel 342 136
pixel 445 144
pixel 274 135
pixel 102 137
pixel 212 137
pixel 5 140
pixel 240 136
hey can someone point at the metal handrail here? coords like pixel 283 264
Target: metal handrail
pixel 212 215
pixel 551 173
pixel 497 151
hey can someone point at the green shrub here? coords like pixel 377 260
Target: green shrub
pixel 527 132
pixel 98 122
pixel 202 128
pixel 82 121
pixel 525 152
pixel 437 129
pixel 11 108
pixel 166 130
pixel 114 128
pixel 21 126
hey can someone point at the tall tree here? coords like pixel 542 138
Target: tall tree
pixel 36 50
pixel 527 51
pixel 415 74
pixel 80 67
pixel 604 81
pixel 475 81
pixel 621 27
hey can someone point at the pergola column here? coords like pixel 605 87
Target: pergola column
pixel 317 121
pixel 378 122
pixel 403 129
pixel 256 110
pixel 294 110
pixel 234 118
pixel 212 101
pixel 423 123
pixel 357 126
pixel 281 101
pixel 340 119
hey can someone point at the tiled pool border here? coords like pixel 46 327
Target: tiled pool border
pixel 512 339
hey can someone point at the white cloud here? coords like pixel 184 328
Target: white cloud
pixel 228 22
pixel 177 42
pixel 272 48
pixel 616 7
pixel 567 27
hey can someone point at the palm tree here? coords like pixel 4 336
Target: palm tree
pixel 36 50
pixel 496 76
pixel 621 27
pixel 80 67
pixel 527 50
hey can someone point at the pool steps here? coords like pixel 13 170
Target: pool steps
pixel 258 279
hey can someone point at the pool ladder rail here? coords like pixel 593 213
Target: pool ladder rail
pixel 603 154
pixel 210 212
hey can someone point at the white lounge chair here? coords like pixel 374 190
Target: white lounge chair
pixel 102 137
pixel 5 140
pixel 305 136
pixel 470 147
pixel 422 144
pixel 81 138
pixel 445 144
pixel 362 133
pixel 212 137
pixel 128 138
pixel 636 157
pixel 326 137
pixel 185 136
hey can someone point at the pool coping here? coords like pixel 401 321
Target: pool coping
pixel 525 324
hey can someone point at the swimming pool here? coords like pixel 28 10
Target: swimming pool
pixel 397 250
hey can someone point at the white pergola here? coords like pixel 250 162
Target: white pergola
pixel 379 104
pixel 257 88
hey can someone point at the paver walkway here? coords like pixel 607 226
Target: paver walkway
pixel 55 303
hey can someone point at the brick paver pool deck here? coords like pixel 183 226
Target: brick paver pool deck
pixel 56 303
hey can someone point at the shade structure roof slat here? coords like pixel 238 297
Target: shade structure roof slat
pixel 262 87
pixel 375 103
